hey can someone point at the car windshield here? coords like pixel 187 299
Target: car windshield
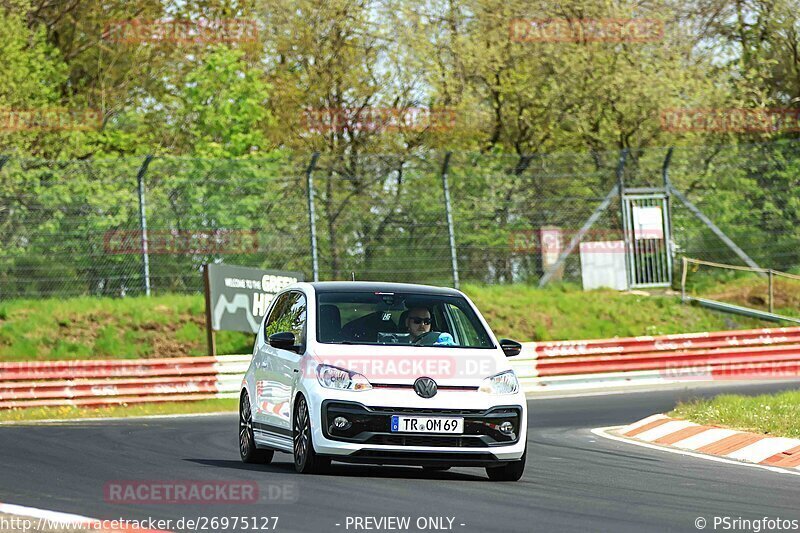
pixel 378 318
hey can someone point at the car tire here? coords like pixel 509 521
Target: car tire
pixel 247 441
pixel 509 472
pixel 306 460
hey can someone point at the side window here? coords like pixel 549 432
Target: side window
pixel 278 310
pixel 289 314
pixel 464 329
pixel 297 318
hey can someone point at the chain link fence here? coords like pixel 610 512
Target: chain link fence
pixel 125 226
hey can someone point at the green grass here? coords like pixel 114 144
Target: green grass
pixel 174 325
pixel 117 328
pixel 566 312
pixel 773 414
pixel 166 408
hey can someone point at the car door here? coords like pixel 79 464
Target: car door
pixel 277 376
pixel 266 379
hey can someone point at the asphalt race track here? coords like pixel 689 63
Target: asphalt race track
pixel 574 480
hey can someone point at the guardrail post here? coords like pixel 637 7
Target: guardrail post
pixel 683 279
pixel 211 339
pixel 668 213
pixel 771 310
pixel 143 224
pixel 312 215
pixel 630 265
pixel 449 213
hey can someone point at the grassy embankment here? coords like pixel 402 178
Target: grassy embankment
pixel 150 409
pixel 747 289
pixel 774 414
pixel 173 325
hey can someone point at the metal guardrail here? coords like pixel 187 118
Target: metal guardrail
pixel 542 366
pixel 737 309
pixel 573 365
pixel 114 382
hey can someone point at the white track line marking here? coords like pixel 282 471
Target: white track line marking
pixel 603 432
pixel 77 522
pixel 110 419
pixel 33 512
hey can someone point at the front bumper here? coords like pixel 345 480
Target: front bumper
pixel 369 439
pixel 370 425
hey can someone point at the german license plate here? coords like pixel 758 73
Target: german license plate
pixel 426 424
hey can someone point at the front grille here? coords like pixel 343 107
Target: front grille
pixel 425 411
pixel 427 440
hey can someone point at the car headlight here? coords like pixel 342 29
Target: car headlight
pixel 502 383
pixel 332 377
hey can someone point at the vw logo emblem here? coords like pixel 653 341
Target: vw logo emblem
pixel 425 387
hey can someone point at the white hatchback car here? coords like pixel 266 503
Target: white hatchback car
pixel 382 373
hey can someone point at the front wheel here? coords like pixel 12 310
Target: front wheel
pixel 247 442
pixel 509 472
pixel 306 460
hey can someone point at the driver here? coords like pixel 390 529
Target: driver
pixel 418 324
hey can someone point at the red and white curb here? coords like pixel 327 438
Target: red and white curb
pixel 661 431
pixel 42 519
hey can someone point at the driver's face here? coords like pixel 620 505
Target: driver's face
pixel 415 322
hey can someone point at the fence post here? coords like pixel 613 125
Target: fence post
pixel 668 214
pixel 143 223
pixel 771 309
pixel 630 275
pixel 312 215
pixel 683 278
pixel 449 212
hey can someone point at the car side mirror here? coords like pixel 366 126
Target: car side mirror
pixel 283 340
pixel 510 348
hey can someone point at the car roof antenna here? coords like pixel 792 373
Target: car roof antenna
pixel 353 274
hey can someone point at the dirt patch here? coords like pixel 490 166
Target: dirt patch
pixel 165 343
pixel 786 295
